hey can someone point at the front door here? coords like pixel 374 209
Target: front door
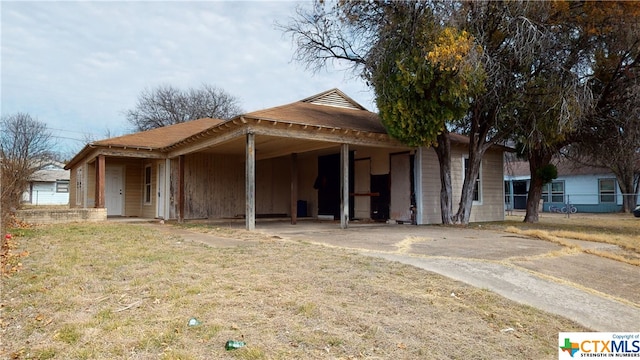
pixel 401 187
pixel 114 190
pixel 362 189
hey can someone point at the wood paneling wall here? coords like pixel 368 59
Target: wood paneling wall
pixel 214 186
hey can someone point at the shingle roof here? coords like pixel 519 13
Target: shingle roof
pixel 50 175
pixel 160 137
pixel 311 113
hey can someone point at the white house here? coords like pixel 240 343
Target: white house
pixel 589 189
pixel 49 186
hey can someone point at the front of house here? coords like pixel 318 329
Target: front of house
pixel 322 157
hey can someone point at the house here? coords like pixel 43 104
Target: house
pixel 48 186
pixel 323 157
pixel 589 189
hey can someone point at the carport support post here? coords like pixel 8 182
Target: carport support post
pixel 100 178
pixel 250 183
pixel 180 188
pixel 294 188
pixel 344 186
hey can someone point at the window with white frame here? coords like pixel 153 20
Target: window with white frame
pixel 477 189
pixel 62 186
pixel 147 184
pixel 553 192
pixel 607 190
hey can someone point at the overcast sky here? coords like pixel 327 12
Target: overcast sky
pixel 78 66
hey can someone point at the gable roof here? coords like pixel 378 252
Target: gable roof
pixel 50 175
pixel 328 109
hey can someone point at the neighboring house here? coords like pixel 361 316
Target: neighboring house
pixel 321 157
pixel 48 186
pixel 589 189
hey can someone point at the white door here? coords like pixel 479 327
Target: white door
pixel 160 192
pixel 400 187
pixel 362 189
pixel 114 190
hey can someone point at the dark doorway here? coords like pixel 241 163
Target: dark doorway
pixel 380 186
pixel 328 185
pixel 519 194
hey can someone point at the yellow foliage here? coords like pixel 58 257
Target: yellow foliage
pixel 451 50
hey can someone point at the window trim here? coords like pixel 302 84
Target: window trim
pixel 478 187
pixel 79 192
pixel 147 179
pixel 611 193
pixel 548 194
pixel 62 186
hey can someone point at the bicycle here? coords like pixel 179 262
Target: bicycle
pixel 564 210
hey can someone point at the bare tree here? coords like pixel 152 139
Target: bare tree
pixel 25 147
pixel 167 105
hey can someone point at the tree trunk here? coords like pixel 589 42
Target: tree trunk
pixel 468 186
pixel 443 151
pixel 626 180
pixel 537 159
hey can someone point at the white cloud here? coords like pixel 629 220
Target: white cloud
pixel 84 63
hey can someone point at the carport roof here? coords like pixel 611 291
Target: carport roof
pixel 161 137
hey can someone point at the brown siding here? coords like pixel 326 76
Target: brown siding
pixel 214 186
pixel 273 186
pixel 133 188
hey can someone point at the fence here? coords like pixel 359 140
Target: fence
pixel 568 203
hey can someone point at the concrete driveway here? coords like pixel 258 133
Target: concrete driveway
pixel 601 294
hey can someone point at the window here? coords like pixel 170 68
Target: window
pixel 62 186
pixel 477 189
pixel 607 190
pixel 147 184
pixel 553 192
pixel 79 194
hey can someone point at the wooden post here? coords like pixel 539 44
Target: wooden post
pixel 344 186
pixel 100 179
pixel 294 188
pixel 250 183
pixel 180 188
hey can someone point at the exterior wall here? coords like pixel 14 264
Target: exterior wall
pixel 132 187
pixel 431 213
pixel 582 192
pixel 273 186
pixel 307 173
pixel 491 204
pixel 214 186
pixel 44 193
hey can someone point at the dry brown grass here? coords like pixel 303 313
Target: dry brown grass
pixel 122 291
pixel 622 230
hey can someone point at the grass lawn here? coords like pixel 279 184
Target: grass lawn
pixel 126 291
